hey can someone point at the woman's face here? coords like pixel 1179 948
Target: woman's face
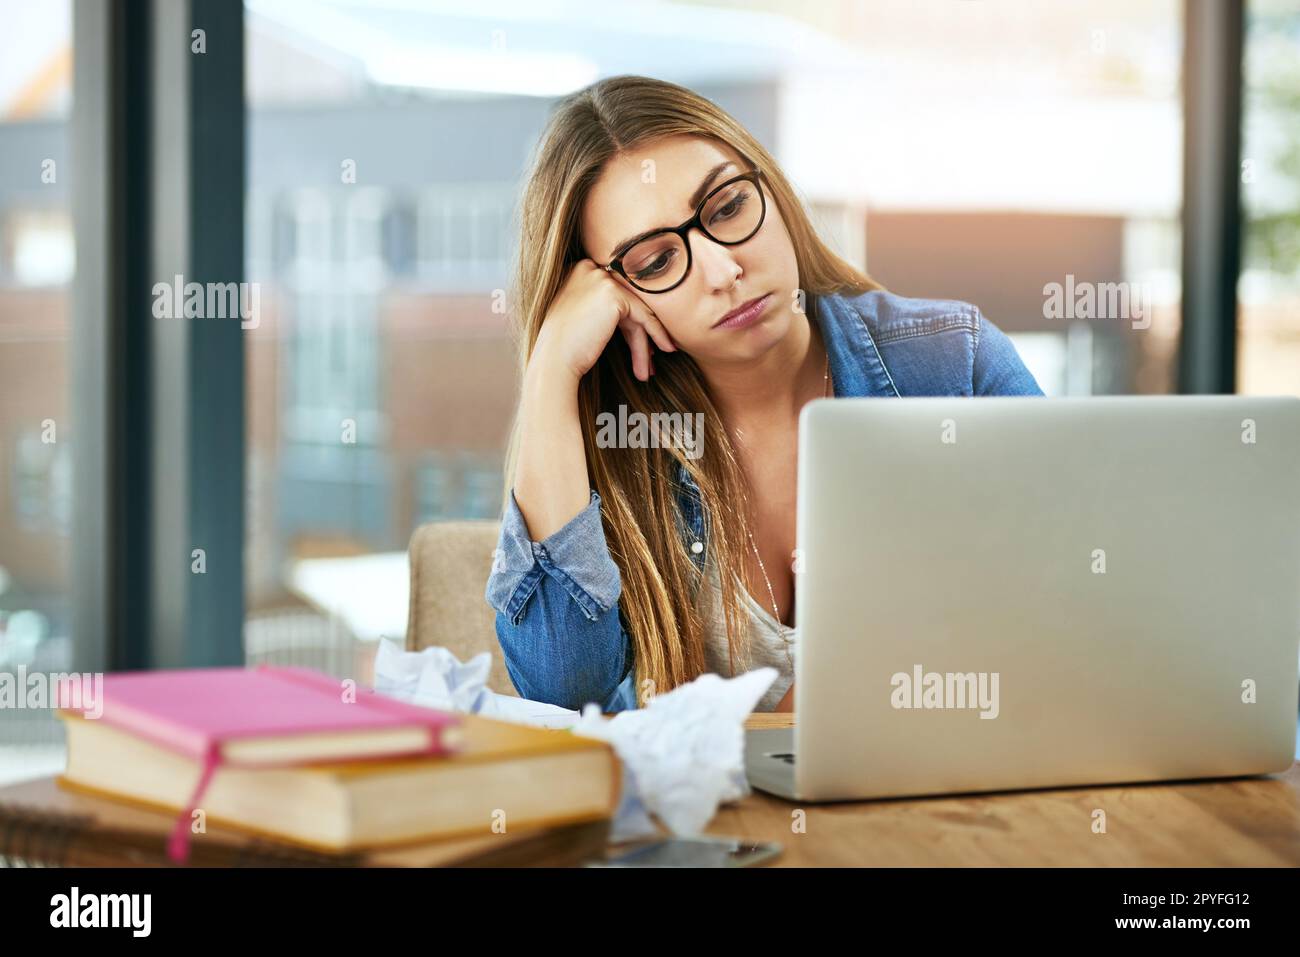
pixel 650 188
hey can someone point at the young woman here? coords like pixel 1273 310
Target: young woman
pixel 665 265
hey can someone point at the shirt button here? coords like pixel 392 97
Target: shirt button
pixel 697 547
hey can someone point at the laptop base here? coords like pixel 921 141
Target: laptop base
pixel 769 761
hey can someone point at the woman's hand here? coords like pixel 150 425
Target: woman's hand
pixel 591 304
pixel 786 703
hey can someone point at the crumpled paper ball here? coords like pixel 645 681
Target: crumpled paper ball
pixel 683 754
pixel 432 677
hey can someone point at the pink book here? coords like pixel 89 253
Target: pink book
pixel 266 717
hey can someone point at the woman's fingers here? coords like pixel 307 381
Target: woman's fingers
pixel 639 343
pixel 658 333
pixel 654 328
pixel 642 314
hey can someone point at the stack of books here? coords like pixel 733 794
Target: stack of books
pixel 325 773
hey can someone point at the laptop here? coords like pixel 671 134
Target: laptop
pixel 1009 593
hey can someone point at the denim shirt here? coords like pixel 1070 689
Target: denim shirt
pixel 556 601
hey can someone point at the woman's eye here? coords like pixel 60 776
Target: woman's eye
pixel 731 208
pixel 656 267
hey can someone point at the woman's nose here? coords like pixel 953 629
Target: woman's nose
pixel 716 264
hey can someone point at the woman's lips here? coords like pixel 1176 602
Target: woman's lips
pixel 749 314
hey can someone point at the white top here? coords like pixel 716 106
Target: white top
pixel 771 643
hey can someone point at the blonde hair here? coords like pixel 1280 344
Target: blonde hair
pixel 637 486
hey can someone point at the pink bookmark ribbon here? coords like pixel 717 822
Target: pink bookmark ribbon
pixel 178 845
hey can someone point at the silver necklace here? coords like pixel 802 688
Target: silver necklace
pixel 776 612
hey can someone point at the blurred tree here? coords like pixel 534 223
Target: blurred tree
pixel 1273 93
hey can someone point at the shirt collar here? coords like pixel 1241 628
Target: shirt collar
pixel 856 367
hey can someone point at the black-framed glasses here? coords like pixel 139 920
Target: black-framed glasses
pixel 729 215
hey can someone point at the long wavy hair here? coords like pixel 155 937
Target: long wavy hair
pixel 638 487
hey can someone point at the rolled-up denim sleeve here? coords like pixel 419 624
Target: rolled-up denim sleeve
pixel 576 556
pixel 557 612
pixel 998 368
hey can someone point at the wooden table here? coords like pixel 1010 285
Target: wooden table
pixel 1234 822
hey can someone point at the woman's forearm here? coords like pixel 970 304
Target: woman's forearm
pixel 551 484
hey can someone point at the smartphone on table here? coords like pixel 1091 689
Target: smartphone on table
pixel 691 852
